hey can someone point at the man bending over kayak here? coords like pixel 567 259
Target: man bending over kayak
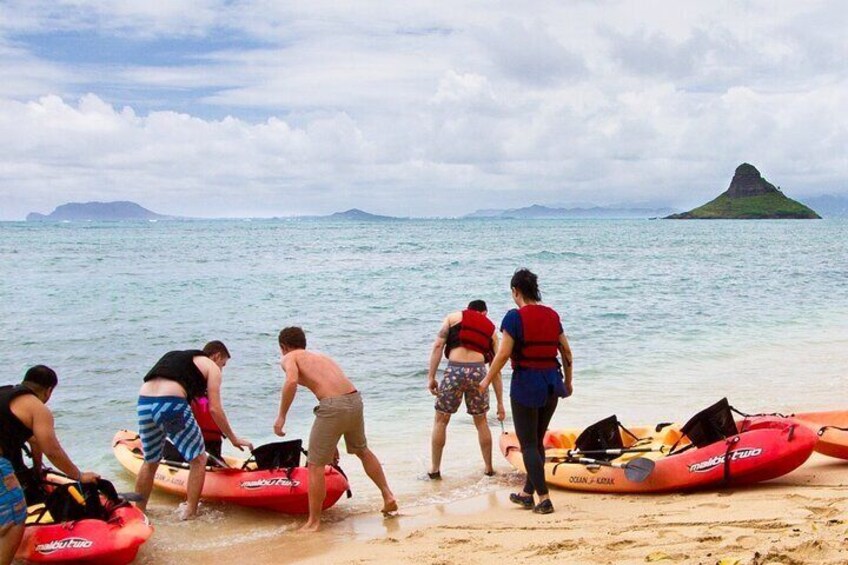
pixel 339 413
pixel 25 418
pixel 164 411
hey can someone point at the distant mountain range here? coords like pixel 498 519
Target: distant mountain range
pixel 103 211
pixel 537 212
pixel 828 206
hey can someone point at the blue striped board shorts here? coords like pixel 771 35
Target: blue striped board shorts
pixel 168 416
pixel 13 507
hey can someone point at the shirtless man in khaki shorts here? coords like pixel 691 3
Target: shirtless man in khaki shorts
pixel 339 413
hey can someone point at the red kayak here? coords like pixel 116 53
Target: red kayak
pixel 663 459
pixel 832 440
pixel 282 489
pixel 114 540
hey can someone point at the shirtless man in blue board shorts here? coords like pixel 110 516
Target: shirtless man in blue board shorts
pixel 339 413
pixel 164 411
pixel 469 341
pixel 25 418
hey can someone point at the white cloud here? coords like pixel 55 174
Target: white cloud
pixel 397 109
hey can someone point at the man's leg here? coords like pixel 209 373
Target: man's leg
pixel 440 427
pixel 317 493
pixel 484 435
pixel 196 477
pixel 374 470
pixel 144 483
pixel 10 539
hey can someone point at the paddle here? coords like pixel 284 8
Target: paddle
pixel 618 451
pixel 636 470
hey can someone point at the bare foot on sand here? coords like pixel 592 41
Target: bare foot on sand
pixel 389 507
pixel 310 527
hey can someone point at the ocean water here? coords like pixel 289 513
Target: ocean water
pixel 664 318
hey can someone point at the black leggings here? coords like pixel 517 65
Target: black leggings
pixel 530 427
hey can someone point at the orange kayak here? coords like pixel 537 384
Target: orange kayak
pixel 282 489
pixel 831 440
pixel 764 448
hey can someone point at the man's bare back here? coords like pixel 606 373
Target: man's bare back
pixel 317 372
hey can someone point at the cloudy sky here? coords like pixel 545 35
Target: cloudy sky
pixel 420 108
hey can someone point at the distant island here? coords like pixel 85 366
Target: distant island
pixel 102 211
pixel 749 197
pixel 537 212
pixel 358 215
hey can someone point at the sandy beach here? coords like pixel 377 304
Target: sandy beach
pixel 796 519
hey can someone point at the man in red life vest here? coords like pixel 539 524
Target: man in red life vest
pixel 469 341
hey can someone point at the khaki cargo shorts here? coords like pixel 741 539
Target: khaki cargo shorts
pixel 336 417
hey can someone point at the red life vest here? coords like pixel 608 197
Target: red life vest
pixel 474 332
pixel 539 345
pixel 200 408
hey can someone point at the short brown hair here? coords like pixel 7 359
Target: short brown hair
pixel 292 338
pixel 214 347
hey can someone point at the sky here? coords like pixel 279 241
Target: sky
pixel 236 108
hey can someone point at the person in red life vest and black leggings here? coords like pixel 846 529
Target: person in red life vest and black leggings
pixel 532 336
pixel 469 341
pixel 25 418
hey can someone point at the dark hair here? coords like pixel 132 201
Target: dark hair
pixel 527 283
pixel 41 375
pixel 478 306
pixel 214 347
pixel 292 338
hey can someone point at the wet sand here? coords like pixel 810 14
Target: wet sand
pixel 799 518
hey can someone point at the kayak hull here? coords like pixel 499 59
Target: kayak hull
pixel 280 490
pixel 831 442
pixel 765 448
pixel 93 542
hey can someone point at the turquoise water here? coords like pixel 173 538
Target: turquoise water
pixel 663 317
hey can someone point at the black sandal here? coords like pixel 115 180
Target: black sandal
pixel 523 500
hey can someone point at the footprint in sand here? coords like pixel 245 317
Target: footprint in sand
pixel 746 542
pixel 719 505
pixel 822 511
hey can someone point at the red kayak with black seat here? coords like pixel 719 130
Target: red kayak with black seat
pixel 79 524
pixel 271 478
pixel 711 450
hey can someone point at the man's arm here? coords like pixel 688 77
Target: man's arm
pixel 436 356
pixel 497 381
pixel 567 360
pixel 289 365
pixel 216 406
pixel 501 357
pixel 44 432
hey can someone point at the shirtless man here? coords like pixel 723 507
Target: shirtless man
pixel 469 340
pixel 164 411
pixel 25 418
pixel 339 413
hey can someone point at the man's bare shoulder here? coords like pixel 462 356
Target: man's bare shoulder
pixel 453 318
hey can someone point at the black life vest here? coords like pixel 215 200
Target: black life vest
pixel 473 332
pixel 179 366
pixel 13 433
pixel 539 345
